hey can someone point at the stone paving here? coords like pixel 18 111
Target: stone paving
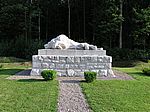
pixel 71 98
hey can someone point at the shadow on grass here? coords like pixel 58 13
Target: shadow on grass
pixel 32 80
pixel 9 71
pixel 140 74
pixel 83 81
pixel 124 63
pixel 129 63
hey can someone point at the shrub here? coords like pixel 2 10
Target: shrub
pixel 146 71
pixel 1 66
pixel 90 76
pixel 128 54
pixel 48 74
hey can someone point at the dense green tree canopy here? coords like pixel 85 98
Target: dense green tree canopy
pixel 94 21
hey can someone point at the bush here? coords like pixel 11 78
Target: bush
pixel 90 76
pixel 146 71
pixel 1 66
pixel 48 74
pixel 128 54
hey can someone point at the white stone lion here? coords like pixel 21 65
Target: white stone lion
pixel 63 42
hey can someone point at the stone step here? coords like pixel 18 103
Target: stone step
pixel 70 52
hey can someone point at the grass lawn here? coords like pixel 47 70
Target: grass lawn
pixel 120 96
pixel 26 95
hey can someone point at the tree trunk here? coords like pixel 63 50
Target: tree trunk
pixel 69 18
pixel 46 24
pixel 30 20
pixel 26 32
pixel 78 23
pixel 110 42
pixel 84 33
pixel 39 22
pixel 94 21
pixel 39 26
pixel 144 43
pixel 120 38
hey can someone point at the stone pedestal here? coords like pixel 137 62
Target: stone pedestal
pixel 72 62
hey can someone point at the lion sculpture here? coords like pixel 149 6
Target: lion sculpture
pixel 63 42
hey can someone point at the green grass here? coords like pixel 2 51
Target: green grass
pixel 26 95
pixel 103 96
pixel 120 96
pixel 11 60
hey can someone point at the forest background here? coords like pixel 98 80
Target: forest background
pixel 122 27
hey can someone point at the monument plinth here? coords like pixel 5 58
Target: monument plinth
pixel 72 62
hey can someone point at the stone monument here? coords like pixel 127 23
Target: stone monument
pixel 70 58
pixel 63 42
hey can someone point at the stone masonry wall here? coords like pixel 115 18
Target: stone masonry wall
pixel 67 65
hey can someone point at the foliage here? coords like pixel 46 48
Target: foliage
pixel 146 71
pixel 90 76
pixel 19 48
pixel 128 54
pixel 142 31
pixel 35 22
pixel 12 20
pixel 106 27
pixel 48 74
pixel 1 66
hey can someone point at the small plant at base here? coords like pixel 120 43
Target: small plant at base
pixel 90 76
pixel 48 74
pixel 146 71
pixel 1 66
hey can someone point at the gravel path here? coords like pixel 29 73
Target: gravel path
pixel 119 76
pixel 71 98
pixel 25 74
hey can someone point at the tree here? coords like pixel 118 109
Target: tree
pixel 12 20
pixel 69 18
pixel 84 30
pixel 39 20
pixel 120 38
pixel 106 22
pixel 30 18
pixel 142 30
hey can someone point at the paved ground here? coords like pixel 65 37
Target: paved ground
pixel 119 76
pixel 71 98
pixel 25 74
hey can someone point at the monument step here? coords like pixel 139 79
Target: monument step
pixel 71 52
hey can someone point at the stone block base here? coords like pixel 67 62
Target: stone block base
pixel 72 65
